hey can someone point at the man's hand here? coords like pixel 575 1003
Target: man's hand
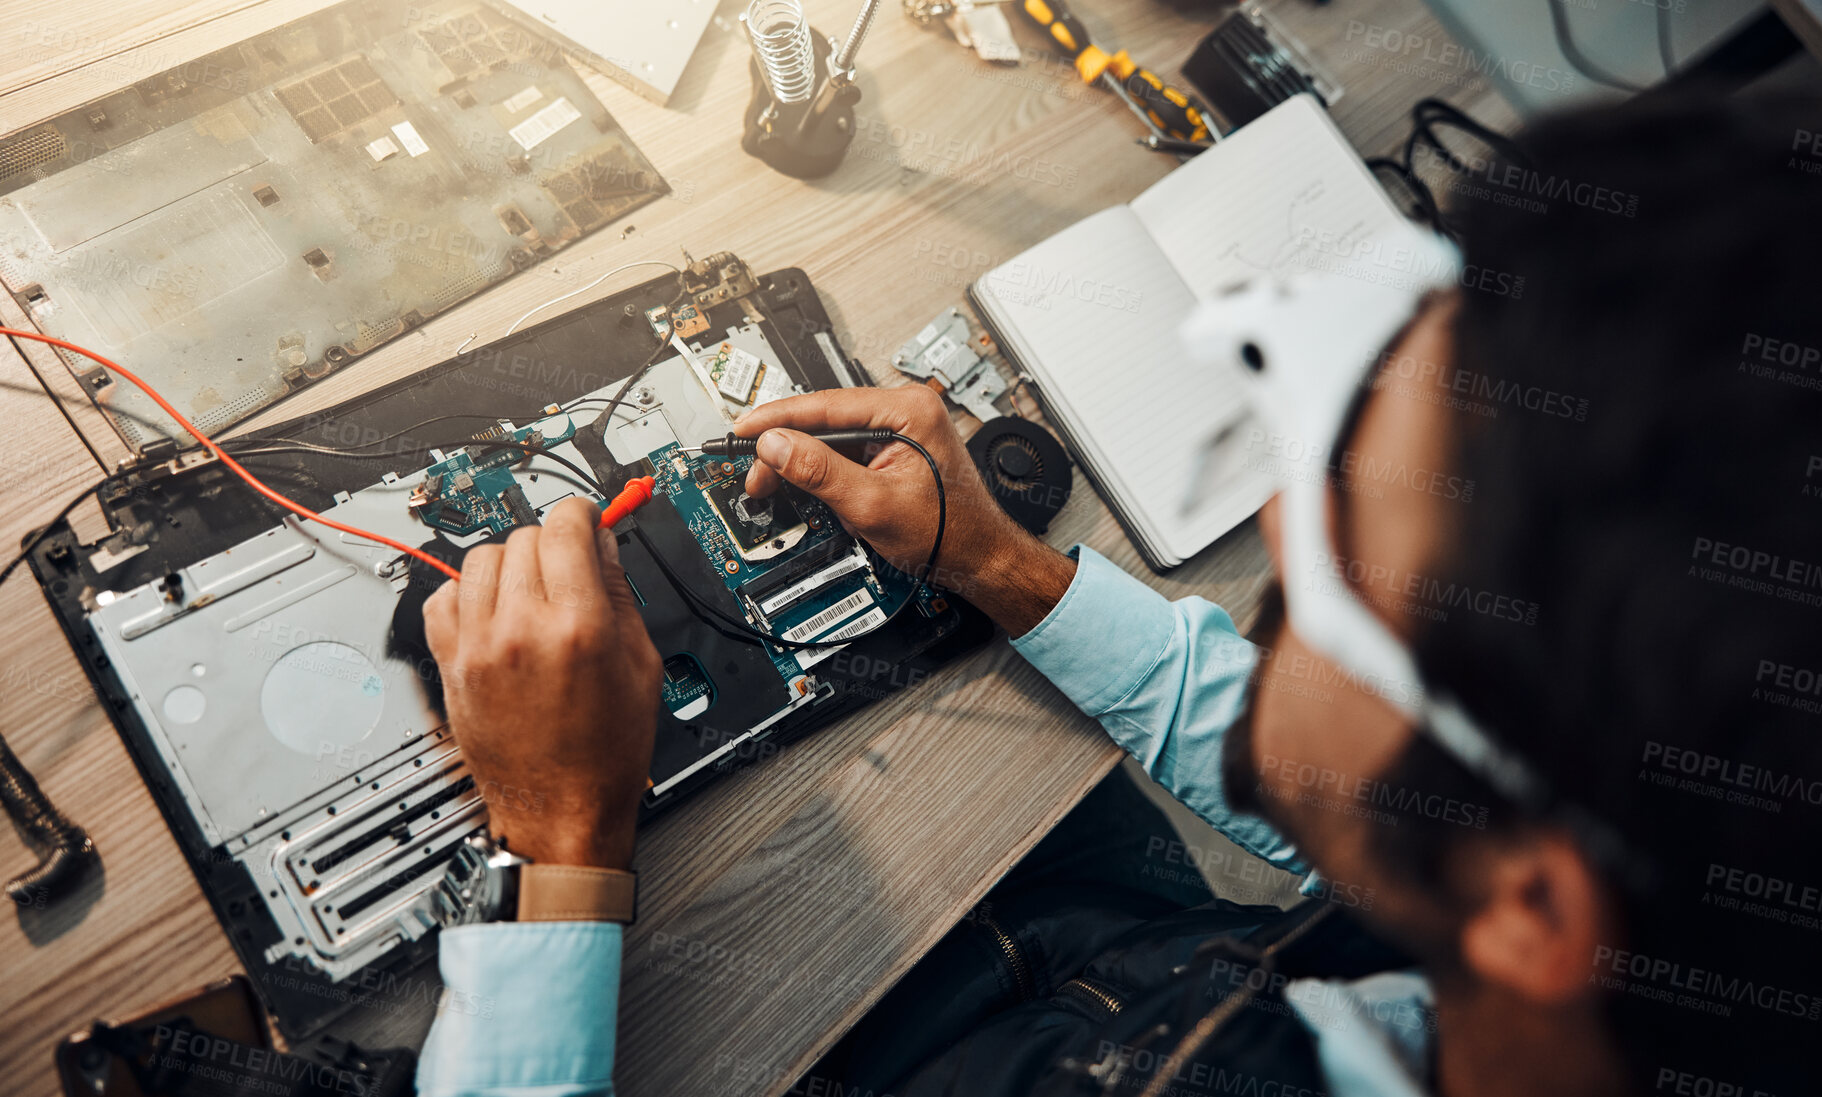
pixel 552 688
pixel 890 502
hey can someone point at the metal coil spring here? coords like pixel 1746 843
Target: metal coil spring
pixel 781 41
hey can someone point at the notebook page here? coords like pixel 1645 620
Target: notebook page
pixel 1285 193
pixel 1096 311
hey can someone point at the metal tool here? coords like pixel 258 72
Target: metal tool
pixel 801 118
pixel 944 354
pixel 68 844
pixel 979 25
pixel 1171 113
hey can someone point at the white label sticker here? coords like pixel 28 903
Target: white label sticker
pixel 937 354
pixel 522 100
pixel 738 374
pixel 873 618
pixel 774 385
pixel 535 130
pixel 840 611
pixel 408 136
pixel 382 148
pixel 821 579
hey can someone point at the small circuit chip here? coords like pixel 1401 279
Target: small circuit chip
pixel 761 528
pixel 739 375
pixel 658 317
pixel 691 321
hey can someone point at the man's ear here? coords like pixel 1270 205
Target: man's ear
pixel 1543 913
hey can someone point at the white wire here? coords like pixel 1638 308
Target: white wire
pixel 556 300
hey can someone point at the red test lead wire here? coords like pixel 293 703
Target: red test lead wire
pixel 233 465
pixel 636 493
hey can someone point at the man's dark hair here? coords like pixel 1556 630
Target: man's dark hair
pixel 1649 477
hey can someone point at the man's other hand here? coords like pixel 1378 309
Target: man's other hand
pixel 552 688
pixel 890 502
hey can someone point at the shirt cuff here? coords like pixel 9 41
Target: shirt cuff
pixel 530 1010
pixel 1105 635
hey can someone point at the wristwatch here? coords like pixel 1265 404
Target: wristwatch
pixel 484 882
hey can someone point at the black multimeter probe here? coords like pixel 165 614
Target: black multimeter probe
pixel 731 446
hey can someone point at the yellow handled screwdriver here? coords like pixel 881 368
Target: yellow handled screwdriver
pixel 1172 112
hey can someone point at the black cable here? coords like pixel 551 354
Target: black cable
pixel 255 445
pixel 1426 116
pixel 39 534
pixel 670 310
pixel 1559 23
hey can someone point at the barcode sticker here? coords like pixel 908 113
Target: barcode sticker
pixel 408 136
pixel 828 618
pixel 822 578
pixel 535 130
pixel 873 618
pixel 522 100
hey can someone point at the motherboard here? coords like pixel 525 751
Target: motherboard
pixel 262 670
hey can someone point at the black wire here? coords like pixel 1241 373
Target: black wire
pixel 256 445
pixel 747 632
pixel 670 311
pixel 1559 23
pixel 32 540
pixel 1426 115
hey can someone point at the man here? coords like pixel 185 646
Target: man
pixel 1619 581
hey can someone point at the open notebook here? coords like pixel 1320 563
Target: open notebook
pixel 1092 314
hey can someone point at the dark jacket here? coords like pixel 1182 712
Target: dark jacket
pixel 1080 975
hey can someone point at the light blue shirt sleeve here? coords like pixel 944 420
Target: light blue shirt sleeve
pixel 1166 679
pixel 530 1012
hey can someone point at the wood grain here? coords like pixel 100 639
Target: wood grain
pixel 780 903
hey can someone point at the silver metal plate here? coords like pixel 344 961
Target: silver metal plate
pixel 304 751
pixel 255 220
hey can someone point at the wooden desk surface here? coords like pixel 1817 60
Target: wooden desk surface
pixel 781 903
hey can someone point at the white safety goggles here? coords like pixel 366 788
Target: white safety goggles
pixel 1306 349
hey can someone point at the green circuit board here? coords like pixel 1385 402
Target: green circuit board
pixel 474 489
pixel 708 493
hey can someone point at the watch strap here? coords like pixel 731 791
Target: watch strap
pixel 571 893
